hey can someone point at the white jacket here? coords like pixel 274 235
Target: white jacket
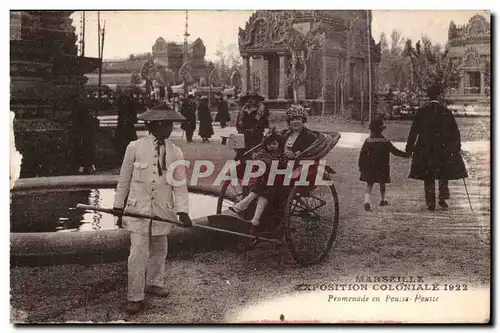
pixel 141 190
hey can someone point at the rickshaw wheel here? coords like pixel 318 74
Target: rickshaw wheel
pixel 311 222
pixel 229 195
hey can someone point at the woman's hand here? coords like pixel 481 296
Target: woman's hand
pixel 289 154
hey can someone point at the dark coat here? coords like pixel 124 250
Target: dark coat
pixel 434 140
pixel 205 118
pixel 85 126
pixel 305 139
pixel 125 130
pixel 223 112
pixel 374 159
pixel 188 110
pixel 252 124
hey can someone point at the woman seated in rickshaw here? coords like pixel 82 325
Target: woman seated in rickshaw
pixel 296 139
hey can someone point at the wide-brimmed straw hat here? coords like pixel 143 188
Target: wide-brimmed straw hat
pixel 251 95
pixel 161 112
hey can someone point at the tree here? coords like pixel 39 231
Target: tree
pixel 301 47
pixel 342 71
pixel 228 61
pixel 431 66
pixel 394 68
pixel 396 42
pixel 383 43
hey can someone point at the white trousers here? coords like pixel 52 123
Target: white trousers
pixel 146 264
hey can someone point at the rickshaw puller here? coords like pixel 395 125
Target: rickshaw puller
pixel 143 188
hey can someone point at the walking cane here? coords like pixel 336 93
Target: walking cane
pixel 468 198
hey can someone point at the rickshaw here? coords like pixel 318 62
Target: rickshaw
pixel 304 218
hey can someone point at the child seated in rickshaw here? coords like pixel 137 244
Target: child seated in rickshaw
pixel 272 150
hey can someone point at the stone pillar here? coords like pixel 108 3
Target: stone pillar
pixel 482 83
pixel 255 76
pixel 282 76
pixel 264 78
pixel 246 75
pixel 461 90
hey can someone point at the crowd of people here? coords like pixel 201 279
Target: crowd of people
pixel 195 109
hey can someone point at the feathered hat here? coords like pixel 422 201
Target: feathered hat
pixel 296 111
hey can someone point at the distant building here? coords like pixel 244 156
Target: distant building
pixel 470 49
pixel 344 54
pixel 163 64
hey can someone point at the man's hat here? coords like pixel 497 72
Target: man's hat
pixel 433 91
pixel 377 124
pixel 161 112
pixel 251 95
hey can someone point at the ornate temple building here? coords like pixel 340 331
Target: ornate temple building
pixel 163 64
pixel 46 82
pixel 470 48
pixel 339 67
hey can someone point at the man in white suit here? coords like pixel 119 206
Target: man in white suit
pixel 143 187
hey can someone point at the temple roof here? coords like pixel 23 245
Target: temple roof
pixel 266 29
pixel 477 29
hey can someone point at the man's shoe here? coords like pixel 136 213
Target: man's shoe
pixel 431 208
pixel 134 307
pixel 157 291
pixel 367 206
pixel 384 203
pixel 443 204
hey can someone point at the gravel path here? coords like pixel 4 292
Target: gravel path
pixel 214 287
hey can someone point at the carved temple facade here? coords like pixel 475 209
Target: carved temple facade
pixel 46 84
pixel 338 70
pixel 470 49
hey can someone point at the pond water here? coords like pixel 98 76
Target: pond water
pixel 54 211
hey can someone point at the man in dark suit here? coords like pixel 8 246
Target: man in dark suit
pixel 188 110
pixel 434 140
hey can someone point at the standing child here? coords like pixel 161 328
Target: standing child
pixel 272 150
pixel 374 161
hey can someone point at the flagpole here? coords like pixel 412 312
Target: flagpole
pixel 369 67
pixel 99 55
